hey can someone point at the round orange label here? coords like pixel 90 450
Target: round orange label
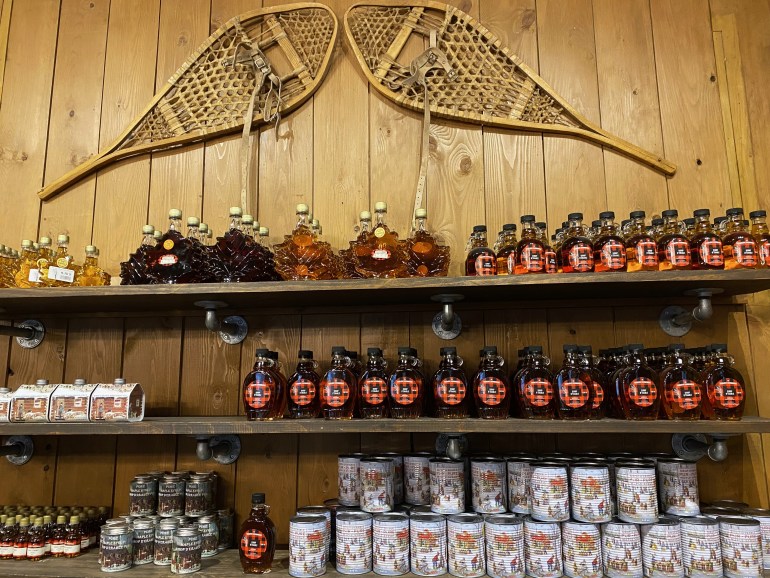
pixel 451 390
pixel 259 391
pixel 685 393
pixel 642 392
pixel 374 390
pixel 404 390
pixel 253 544
pixel 492 391
pixel 168 244
pixel 335 393
pixel 302 391
pixel 727 393
pixel 538 391
pixel 574 393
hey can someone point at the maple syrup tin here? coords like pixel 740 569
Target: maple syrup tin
pixel 186 551
pixel 390 544
pixel 308 546
pixel 348 480
pixel 171 491
pixel 398 474
pixel 519 475
pixel 142 495
pixel 622 550
pixel 465 545
pixel 542 548
pixel 377 485
pixel 447 486
pixel 504 536
pixel 662 549
pixel 354 542
pixel 225 526
pixel 549 492
pixel 428 544
pixel 582 548
pixel 741 542
pixel 763 517
pixel 164 533
pixel 488 481
pixel 417 478
pixel 637 492
pixel 209 535
pixel 143 542
pixel 198 495
pixel 701 548
pixel 115 548
pixel 590 492
pixel 678 487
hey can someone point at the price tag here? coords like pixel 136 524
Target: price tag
pixel 59 274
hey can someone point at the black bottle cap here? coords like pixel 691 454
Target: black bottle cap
pixel 272 355
pixel 540 225
pixel 701 213
pixel 635 347
pixel 587 349
pixel 718 220
pixel 758 214
pixel 657 221
pixel 509 227
pixel 374 352
pixel 670 213
pixel 625 222
pixel 352 354
pixel 305 354
pixel 528 218
pixel 745 223
pixel 261 353
pixel 676 347
pixel 718 347
pixel 404 350
pixel 536 349
pixel 734 211
pixel 412 352
pixel 607 215
pixel 339 350
pixel 491 349
pixel 575 217
pixel 448 351
pixel 258 498
pixel 480 229
pixel 596 224
pixel 553 237
pixel 564 225
pixel 689 221
pixel 637 214
pixel 570 348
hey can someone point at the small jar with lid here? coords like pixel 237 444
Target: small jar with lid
pixel 115 548
pixel 171 495
pixel 142 495
pixel 198 495
pixel 143 541
pixel 186 551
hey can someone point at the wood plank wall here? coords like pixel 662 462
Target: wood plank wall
pixel 685 78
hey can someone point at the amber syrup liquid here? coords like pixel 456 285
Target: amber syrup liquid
pixel 575 392
pixel 535 392
pixel 706 251
pixel 304 399
pixel 171 260
pixel 639 398
pixel 724 392
pixel 674 253
pixel 373 390
pixel 506 260
pixel 762 237
pixel 577 255
pixel 491 392
pixel 450 391
pixel 600 401
pixel 425 257
pixel 740 250
pixel 642 253
pixel 480 262
pixel 264 394
pixel 338 392
pixel 257 541
pixel 609 253
pixel 530 257
pixel 551 260
pixel 406 391
pixel 682 392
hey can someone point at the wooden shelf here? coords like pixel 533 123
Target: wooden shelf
pixel 239 425
pixel 300 295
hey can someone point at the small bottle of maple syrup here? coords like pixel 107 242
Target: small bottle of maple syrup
pixel 761 234
pixel 450 386
pixel 609 247
pixel 481 260
pixel 577 255
pixel 600 400
pixel 680 384
pixel 725 390
pixel 264 397
pixel 530 252
pixel 373 386
pixel 705 243
pixel 406 386
pixel 257 538
pixel 505 248
pixel 575 387
pixel 641 248
pixel 491 389
pixel 534 386
pixel 339 387
pixel 639 397
pixel 673 245
pixel 303 386
pixel 738 244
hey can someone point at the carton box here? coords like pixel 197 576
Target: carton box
pixel 6 396
pixel 70 401
pixel 117 401
pixel 31 401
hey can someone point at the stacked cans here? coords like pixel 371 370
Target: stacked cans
pixel 428 544
pixel 741 542
pixel 417 478
pixel 354 533
pixel 701 547
pixel 447 486
pixel 466 555
pixel 662 549
pixel 308 545
pixel 488 485
pixel 549 492
pixel 542 548
pixel 582 549
pixel 505 546
pixel 390 544
pixel 621 550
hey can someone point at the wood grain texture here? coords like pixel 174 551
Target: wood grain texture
pixel 5 350
pixel 628 96
pixel 73 128
pixel 5 25
pixel 136 456
pixel 187 460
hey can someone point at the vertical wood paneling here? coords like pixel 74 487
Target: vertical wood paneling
pixel 5 24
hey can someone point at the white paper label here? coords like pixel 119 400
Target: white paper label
pixel 72 548
pixel 34 276
pixel 20 552
pixel 57 548
pixel 35 552
pixel 6 551
pixel 59 274
pixel 84 542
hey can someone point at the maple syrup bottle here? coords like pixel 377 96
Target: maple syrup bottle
pixel 725 390
pixel 505 249
pixel 373 386
pixel 577 255
pixel 574 386
pixel 28 262
pixel 450 386
pixel 257 538
pixel 304 388
pixel 761 233
pixel 491 389
pixel 62 271
pixel 45 258
pixel 551 256
pixel 738 244
pixel 705 243
pixel 58 537
pixel 680 384
pixel 172 261
pixel 21 540
pixel 673 245
pixel 348 264
pixel 90 274
pixel 7 539
pixel 36 541
pixel 338 387
pixel 381 254
pixel 481 260
pixel 406 386
pixel 263 393
pixel 599 401
pixel 355 364
pixel 530 252
pixel 135 271
pixel 609 248
pixel 639 397
pixel 425 256
pixel 641 248
pixel 534 386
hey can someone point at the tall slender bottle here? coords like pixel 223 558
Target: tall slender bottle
pixel 339 387
pixel 534 386
pixel 36 543
pixel 639 397
pixel 7 539
pixel 505 249
pixel 58 537
pixel 304 388
pixel 264 396
pixel 725 388
pixel 407 389
pixel 575 387
pixel 530 252
pixel 481 260
pixel 373 386
pixel 762 235
pixel 21 540
pixel 72 538
pixel 609 247
pixel 450 386
pixel 680 382
pixel 257 538
pixel 577 255
pixel 705 243
pixel 491 388
pixel 641 247
pixel 673 245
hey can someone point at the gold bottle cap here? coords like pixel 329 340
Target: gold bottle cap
pixel 380 207
pixel 38 522
pixel 315 224
pixel 203 228
pixel 158 235
pixel 90 249
pixel 256 225
pixel 45 241
pixel 421 213
pixel 148 229
pixel 35 246
pixel 63 238
pixel 365 216
pixel 26 244
pixel 175 214
pixel 24 522
pixel 193 221
pixel 247 220
pixel 61 519
pixel 46 519
pixel 75 520
pixel 264 231
pixel 302 208
pixel 235 212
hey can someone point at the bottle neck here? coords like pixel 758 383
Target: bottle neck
pixel 340 361
pixel 375 363
pixel 260 509
pixel 62 248
pixel 306 365
pixel 420 224
pixel 149 240
pixel 759 225
pixel 703 224
pixel 366 226
pixel 570 360
pixel 235 222
pixel 174 224
pixel 192 232
pixel 379 218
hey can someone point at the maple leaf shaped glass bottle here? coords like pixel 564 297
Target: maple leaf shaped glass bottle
pixel 533 384
pixel 609 247
pixel 62 271
pixel 577 255
pixel 381 254
pixel 682 392
pixel 301 256
pixel 135 271
pixel 725 389
pixel 673 245
pixel 638 386
pixel 90 274
pixel 346 255
pixel 339 387
pixel 264 393
pixel 574 386
pixel 450 386
pixel 425 257
pixel 491 389
pixel 407 391
pixel 373 386
pixel 304 388
pixel 171 261
pixel 705 243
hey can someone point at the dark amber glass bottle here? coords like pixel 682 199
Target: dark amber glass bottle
pixel 450 386
pixel 407 389
pixel 339 387
pixel 575 387
pixel 641 248
pixel 534 386
pixel 609 247
pixel 264 396
pixel 373 386
pixel 577 255
pixel 673 246
pixel 705 243
pixel 738 244
pixel 725 389
pixel 506 252
pixel 600 400
pixel 762 235
pixel 304 398
pixel 640 399
pixel 257 538
pixel 481 260
pixel 680 382
pixel 173 260
pixel 491 389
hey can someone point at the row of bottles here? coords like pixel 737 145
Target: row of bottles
pixel 39 265
pixel 620 384
pixel 731 242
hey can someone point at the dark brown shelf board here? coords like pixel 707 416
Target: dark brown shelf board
pixel 378 292
pixel 239 425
